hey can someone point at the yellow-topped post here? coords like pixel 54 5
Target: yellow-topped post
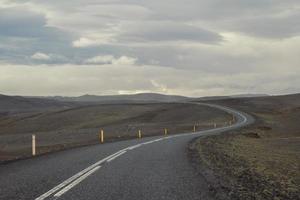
pixel 101 136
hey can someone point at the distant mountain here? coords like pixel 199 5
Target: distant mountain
pixel 212 98
pixel 138 98
pixel 142 97
pixel 14 104
pixel 208 98
pixel 22 104
pixel 248 95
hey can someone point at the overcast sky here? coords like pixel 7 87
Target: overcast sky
pixel 186 47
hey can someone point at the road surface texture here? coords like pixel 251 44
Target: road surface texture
pixel 148 168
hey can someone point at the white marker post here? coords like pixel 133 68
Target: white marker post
pixel 33 146
pixel 101 136
pixel 140 134
pixel 194 128
pixel 166 131
pixel 215 125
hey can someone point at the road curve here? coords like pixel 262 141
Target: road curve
pixel 148 168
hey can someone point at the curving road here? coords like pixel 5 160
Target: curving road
pixel 148 168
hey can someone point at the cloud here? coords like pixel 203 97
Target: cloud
pixel 20 23
pixel 143 33
pixel 104 59
pixel 214 47
pixel 110 59
pixel 119 11
pixel 272 27
pixel 24 32
pixel 159 86
pixel 77 80
pixel 40 56
pixel 168 31
pixel 125 60
pixel 94 41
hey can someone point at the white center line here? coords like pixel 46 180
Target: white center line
pixel 114 157
pixel 145 143
pixel 133 147
pixel 77 181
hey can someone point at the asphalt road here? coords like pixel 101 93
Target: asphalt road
pixel 148 168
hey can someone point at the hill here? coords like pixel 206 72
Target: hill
pixel 14 104
pixel 142 97
pixel 209 98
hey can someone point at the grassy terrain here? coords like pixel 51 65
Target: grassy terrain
pixel 64 128
pixel 261 161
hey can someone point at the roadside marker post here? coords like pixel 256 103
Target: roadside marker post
pixel 33 146
pixel 140 134
pixel 194 128
pixel 101 136
pixel 215 125
pixel 166 131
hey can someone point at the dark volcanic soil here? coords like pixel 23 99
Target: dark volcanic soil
pixel 65 128
pixel 261 161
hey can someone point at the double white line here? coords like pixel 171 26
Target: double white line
pixel 77 181
pixel 80 176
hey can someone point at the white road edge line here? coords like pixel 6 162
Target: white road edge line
pixel 114 157
pixel 87 171
pixel 77 181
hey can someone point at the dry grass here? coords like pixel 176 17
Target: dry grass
pixel 252 167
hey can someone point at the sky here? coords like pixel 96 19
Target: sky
pixel 190 47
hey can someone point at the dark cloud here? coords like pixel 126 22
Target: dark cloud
pixel 271 27
pixel 23 33
pixel 19 22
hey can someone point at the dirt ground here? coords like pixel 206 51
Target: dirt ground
pixel 261 161
pixel 60 129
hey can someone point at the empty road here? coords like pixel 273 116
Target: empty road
pixel 148 168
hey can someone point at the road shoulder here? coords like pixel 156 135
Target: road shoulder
pixel 230 164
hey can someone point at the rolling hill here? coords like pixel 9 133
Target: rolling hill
pixel 142 97
pixel 13 104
